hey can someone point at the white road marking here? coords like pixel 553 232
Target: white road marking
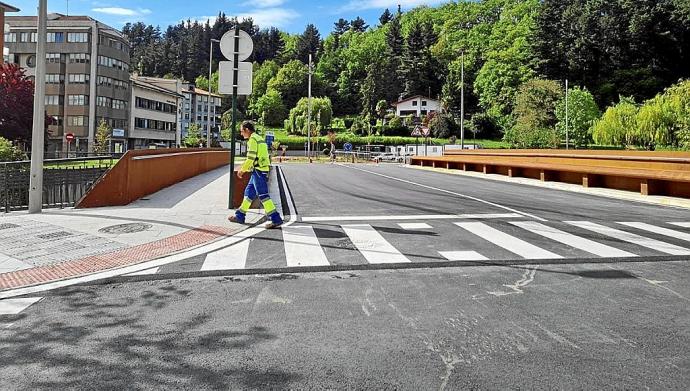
pixel 145 272
pixel 446 191
pixel 463 256
pixel 657 245
pixel 9 264
pixel 571 240
pixel 508 242
pixel 15 306
pixel 682 224
pixel 658 230
pixel 413 226
pixel 318 219
pixel 372 245
pixel 229 258
pixel 302 247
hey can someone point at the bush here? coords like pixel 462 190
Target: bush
pixel 582 112
pixel 321 112
pixel 485 125
pixel 520 136
pixel 269 109
pixel 395 127
pixel 443 126
pixel 10 153
pixel 617 125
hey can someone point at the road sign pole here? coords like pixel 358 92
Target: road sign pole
pixel 234 115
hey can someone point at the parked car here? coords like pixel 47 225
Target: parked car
pixel 387 157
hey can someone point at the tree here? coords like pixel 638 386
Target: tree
pixel 385 17
pixel 202 82
pixel 358 25
pixel 309 43
pixel 393 54
pixel 269 109
pixel 9 152
pixel 535 111
pixel 417 68
pixel 341 26
pixel 102 138
pixel 193 137
pixel 321 112
pixel 381 109
pixel 614 127
pixel 292 82
pixel 582 112
pixel 16 104
pixel 268 45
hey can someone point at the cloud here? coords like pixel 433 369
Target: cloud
pixel 271 17
pixel 356 5
pixel 122 11
pixel 264 3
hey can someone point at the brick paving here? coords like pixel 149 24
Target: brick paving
pixel 112 260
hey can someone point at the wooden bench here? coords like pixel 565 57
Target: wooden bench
pixel 666 173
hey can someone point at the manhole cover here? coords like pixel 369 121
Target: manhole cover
pixel 54 235
pixel 129 228
pixel 8 226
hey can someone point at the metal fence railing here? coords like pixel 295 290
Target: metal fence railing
pixel 65 181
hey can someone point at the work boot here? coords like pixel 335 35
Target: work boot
pixel 235 219
pixel 273 225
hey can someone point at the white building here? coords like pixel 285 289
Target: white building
pixel 416 105
pixel 155 118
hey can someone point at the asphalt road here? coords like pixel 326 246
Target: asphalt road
pixel 506 321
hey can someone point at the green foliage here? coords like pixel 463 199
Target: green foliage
pixel 535 110
pixel 202 82
pixel 269 109
pixel 9 152
pixel 291 82
pixel 665 119
pixel 582 113
pixel 321 115
pixel 443 126
pixel 614 127
pixel 396 127
pixel 193 137
pixel 102 138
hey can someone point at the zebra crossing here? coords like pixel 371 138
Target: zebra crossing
pixel 390 242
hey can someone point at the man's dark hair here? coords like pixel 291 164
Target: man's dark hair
pixel 249 125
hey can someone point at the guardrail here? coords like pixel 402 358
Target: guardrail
pixel 65 181
pixel 650 173
pixel 142 172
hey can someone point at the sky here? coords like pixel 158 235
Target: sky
pixel 288 15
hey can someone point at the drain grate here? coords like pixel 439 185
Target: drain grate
pixel 126 228
pixel 55 235
pixel 8 226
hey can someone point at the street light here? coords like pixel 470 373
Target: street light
pixel 37 133
pixel 208 108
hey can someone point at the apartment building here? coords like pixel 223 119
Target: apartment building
pixel 155 114
pixel 200 107
pixel 87 77
pixel 4 8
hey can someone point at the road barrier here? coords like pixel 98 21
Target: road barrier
pixel 650 173
pixel 142 172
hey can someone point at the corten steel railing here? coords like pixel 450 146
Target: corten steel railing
pixel 650 173
pixel 65 181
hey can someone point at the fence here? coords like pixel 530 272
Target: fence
pixel 65 181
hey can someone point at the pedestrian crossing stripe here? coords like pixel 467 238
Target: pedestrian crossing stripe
pixel 303 248
pixel 682 224
pixel 16 306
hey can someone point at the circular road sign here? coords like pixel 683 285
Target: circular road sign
pixel 227 45
pixel 69 137
pixel 347 147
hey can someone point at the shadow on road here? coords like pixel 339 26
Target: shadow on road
pixel 131 344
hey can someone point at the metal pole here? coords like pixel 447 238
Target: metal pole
pixel 234 115
pixel 37 142
pixel 462 100
pixel 567 144
pixel 208 110
pixel 309 115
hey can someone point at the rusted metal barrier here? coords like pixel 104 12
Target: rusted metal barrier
pixel 142 172
pixel 650 173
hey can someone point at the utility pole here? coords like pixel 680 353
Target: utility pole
pixel 37 142
pixel 567 143
pixel 309 113
pixel 462 100
pixel 233 132
pixel 208 108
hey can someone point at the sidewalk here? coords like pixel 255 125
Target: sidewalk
pixel 60 244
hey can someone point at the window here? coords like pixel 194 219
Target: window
pixel 54 78
pixel 414 103
pixel 423 103
pixel 24 37
pixel 55 120
pixel 34 37
pixel 77 120
pixel 105 81
pixel 198 108
pixel 79 58
pixel 119 104
pixel 143 123
pixel 77 100
pixel 31 61
pixel 55 58
pixel 78 78
pixel 186 116
pixel 10 37
pixel 103 101
pixel 53 100
pixel 77 37
pixel 56 37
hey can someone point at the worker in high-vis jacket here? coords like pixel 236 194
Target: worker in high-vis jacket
pixel 258 163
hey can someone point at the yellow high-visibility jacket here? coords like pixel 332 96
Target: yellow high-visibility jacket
pixel 257 154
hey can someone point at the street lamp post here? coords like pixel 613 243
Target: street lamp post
pixel 309 112
pixel 462 100
pixel 37 133
pixel 208 108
